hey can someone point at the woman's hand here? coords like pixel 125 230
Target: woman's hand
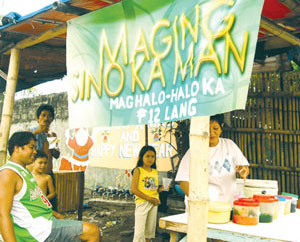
pixel 243 171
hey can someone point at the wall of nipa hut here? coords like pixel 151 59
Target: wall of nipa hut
pixel 268 130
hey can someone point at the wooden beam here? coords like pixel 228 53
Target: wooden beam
pixel 292 5
pixel 198 188
pixel 36 39
pixel 67 8
pixel 3 75
pixel 8 103
pixel 279 31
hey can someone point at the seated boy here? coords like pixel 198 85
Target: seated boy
pixel 44 180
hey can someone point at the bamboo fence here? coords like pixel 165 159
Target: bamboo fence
pixel 268 130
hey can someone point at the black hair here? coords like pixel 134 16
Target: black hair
pixel 218 118
pixel 140 162
pixel 46 107
pixel 40 154
pixel 19 139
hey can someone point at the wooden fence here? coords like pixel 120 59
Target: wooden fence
pixel 268 131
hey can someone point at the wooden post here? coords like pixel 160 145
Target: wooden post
pixel 8 103
pixel 198 190
pixel 146 134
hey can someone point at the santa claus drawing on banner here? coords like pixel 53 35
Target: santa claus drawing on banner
pixel 80 144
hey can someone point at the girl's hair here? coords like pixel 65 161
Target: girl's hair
pixel 141 155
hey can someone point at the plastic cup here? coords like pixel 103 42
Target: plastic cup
pixel 166 183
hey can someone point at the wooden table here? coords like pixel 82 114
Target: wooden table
pixel 286 228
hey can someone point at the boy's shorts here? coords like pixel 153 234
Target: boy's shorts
pixel 65 230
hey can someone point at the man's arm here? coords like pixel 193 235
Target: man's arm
pixel 185 186
pixel 137 192
pixel 8 188
pixel 47 151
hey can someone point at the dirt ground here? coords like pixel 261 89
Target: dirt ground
pixel 115 219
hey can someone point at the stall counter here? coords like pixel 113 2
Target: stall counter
pixel 285 229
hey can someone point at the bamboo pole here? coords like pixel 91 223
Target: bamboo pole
pixel 198 189
pixel 279 31
pixel 8 103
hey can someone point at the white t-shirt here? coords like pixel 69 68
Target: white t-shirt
pixel 223 159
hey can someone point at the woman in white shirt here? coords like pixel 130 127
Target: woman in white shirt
pixel 225 159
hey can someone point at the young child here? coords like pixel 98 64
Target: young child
pixel 144 186
pixel 39 173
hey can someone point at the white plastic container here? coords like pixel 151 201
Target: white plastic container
pixel 288 203
pixel 239 191
pixel 281 206
pixel 294 201
pixel 266 208
pixel 258 187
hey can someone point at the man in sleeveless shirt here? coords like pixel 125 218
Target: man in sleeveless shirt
pixel 45 116
pixel 25 213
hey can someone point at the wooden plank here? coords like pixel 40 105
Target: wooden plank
pixel 263 131
pixel 285 229
pixel 277 139
pixel 173 226
pixel 293 144
pixel 281 143
pixel 290 161
pixel 276 168
pixel 3 75
pixel 38 38
pixel 259 125
pixel 277 127
pixel 295 120
pixel 275 94
pixel 264 149
pixel 249 142
pixel 198 189
pixel 254 125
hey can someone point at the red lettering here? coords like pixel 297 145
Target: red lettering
pixel 45 200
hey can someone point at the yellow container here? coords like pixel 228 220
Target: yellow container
pixel 219 212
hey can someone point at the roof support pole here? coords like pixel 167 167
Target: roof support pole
pixel 198 188
pixel 9 98
pixel 278 31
